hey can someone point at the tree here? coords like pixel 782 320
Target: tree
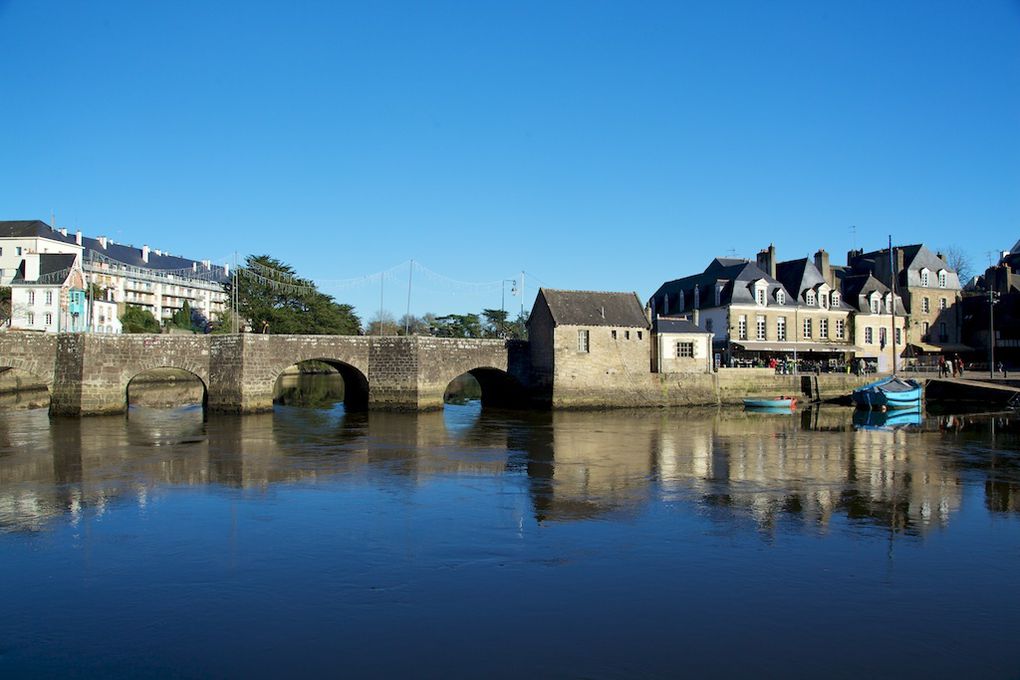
pixel 409 324
pixel 182 317
pixel 384 320
pixel 959 261
pixel 224 324
pixel 5 305
pixel 495 325
pixel 458 326
pixel 139 320
pixel 271 295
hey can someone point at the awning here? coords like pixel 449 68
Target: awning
pixel 765 346
pixel 938 349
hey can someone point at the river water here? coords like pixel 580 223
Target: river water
pixel 681 543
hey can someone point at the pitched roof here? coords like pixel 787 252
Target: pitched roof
pixel 676 324
pixel 734 276
pixel 592 308
pixel 49 263
pixel 31 229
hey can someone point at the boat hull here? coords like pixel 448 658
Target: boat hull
pixel 772 404
pixel 889 393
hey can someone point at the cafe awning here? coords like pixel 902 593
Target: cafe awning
pixel 938 349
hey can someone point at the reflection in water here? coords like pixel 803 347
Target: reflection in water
pixel 578 517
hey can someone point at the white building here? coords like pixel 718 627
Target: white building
pixel 122 275
pixel 679 346
pixel 48 294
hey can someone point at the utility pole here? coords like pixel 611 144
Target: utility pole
pixel 407 317
pixel 382 285
pixel 522 292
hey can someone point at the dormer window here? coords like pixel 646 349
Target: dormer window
pixel 718 294
pixel 874 303
pixel 809 298
pixel 925 278
pixel 834 299
pixel 889 303
pixel 942 278
pixel 759 296
pixel 781 296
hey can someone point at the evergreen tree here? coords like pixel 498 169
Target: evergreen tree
pixel 139 320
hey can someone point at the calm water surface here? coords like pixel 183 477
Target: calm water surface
pixel 608 545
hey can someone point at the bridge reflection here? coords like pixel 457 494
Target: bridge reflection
pixel 810 469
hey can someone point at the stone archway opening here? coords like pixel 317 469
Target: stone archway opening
pixel 490 387
pixel 166 388
pixel 20 390
pixel 322 383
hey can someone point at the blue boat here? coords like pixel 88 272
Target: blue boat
pixel 889 393
pixel 772 404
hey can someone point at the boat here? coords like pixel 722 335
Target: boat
pixel 889 393
pixel 771 403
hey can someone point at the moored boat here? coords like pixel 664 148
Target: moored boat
pixel 771 403
pixel 889 393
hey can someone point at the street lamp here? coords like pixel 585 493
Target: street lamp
pixel 992 297
pixel 502 302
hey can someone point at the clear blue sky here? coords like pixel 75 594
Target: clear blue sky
pixel 596 145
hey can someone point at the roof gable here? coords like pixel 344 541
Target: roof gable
pixel 592 308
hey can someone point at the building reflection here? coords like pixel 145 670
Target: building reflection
pixel 812 468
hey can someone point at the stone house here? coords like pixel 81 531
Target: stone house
pixel 679 346
pixel 930 290
pixel 589 348
pixel 822 324
pixel 872 321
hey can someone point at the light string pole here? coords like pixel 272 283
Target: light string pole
pixel 407 316
pixel 992 297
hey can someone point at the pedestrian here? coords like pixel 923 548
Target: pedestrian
pixel 959 365
pixel 953 366
pixel 943 370
pixel 1002 370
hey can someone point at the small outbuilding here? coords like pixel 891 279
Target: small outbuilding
pixel 679 346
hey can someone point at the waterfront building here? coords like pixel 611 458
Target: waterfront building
pixel 873 330
pixel 48 293
pixel 587 345
pixel 930 290
pixel 120 275
pixel 1003 281
pixel 679 346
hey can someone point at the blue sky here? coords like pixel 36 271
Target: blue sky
pixel 595 145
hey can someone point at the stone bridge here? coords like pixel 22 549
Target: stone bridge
pixel 89 374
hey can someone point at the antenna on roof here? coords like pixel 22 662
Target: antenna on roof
pixel 853 237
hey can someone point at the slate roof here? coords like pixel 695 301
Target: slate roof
pixel 857 287
pixel 592 308
pixel 49 263
pixel 915 257
pixel 800 276
pixel 671 324
pixel 125 254
pixel 735 277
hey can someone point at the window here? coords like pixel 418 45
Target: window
pixel 708 325
pixel 17 250
pixel 31 319
pixel 582 341
pixel 809 298
pixel 742 327
pixel 882 337
pixel 639 335
pixel 869 336
pixel 834 299
pixel 924 278
pixel 49 297
pixel 684 350
pixel 781 297
pixel 781 328
pixel 899 337
pixel 942 278
pixel 31 297
pixel 807 328
pixel 760 327
pixel 823 328
pixel 874 304
pixel 840 329
pixel 718 295
pixel 823 300
pixel 49 319
pixel 613 333
pixel 925 305
pixel 943 303
pixel 925 328
pixel 759 296
pixel 626 335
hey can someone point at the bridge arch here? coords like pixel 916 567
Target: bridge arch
pixel 166 377
pixel 355 382
pixel 497 387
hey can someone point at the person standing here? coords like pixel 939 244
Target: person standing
pixel 942 366
pixel 959 365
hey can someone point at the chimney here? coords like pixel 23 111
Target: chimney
pixel 194 266
pixel 822 262
pixel 767 260
pixel 226 270
pixel 31 266
pixel 102 241
pixel 158 251
pixel 145 253
pixel 77 237
pixel 63 231
pixel 603 312
pixel 697 317
pixel 207 264
pixel 899 260
pixel 852 255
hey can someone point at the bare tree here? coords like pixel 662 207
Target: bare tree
pixel 959 261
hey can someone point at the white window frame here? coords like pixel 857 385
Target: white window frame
pixel 823 328
pixel 781 329
pixel 840 329
pixel 925 305
pixel 869 335
pixel 760 327
pixel 942 278
pixel 742 327
pixel 684 350
pixel 808 328
pixel 583 341
pixel 809 298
